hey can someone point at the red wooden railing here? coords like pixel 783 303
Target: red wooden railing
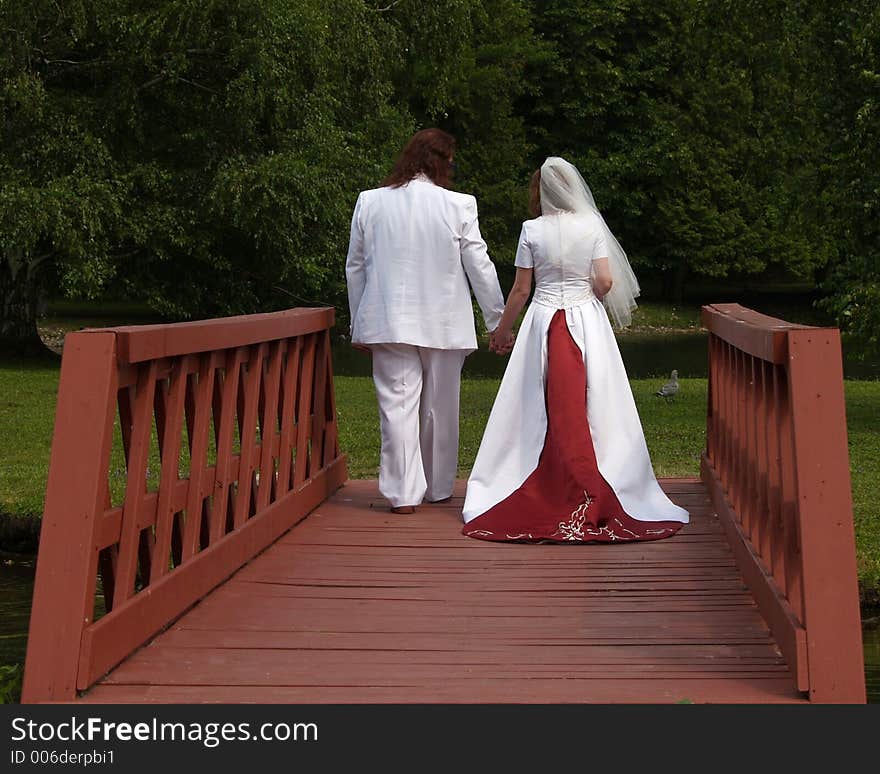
pixel 777 467
pixel 225 435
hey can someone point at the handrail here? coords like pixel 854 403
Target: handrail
pixel 225 434
pixel 777 467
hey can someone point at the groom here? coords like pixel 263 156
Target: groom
pixel 414 255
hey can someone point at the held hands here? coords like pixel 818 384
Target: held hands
pixel 500 341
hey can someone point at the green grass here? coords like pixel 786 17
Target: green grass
pixel 652 316
pixel 676 432
pixel 661 317
pixel 862 408
pixel 27 415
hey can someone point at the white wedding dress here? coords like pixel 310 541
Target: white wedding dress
pixel 563 456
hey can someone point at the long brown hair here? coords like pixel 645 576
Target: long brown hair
pixel 428 151
pixel 535 194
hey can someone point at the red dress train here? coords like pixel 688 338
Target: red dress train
pixel 565 499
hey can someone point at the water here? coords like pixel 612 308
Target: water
pixel 17 583
pixel 871 641
pixel 16 590
pixel 646 356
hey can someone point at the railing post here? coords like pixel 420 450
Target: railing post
pixel 821 457
pixel 75 495
pixel 712 400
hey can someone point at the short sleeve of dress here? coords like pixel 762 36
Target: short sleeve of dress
pixel 524 259
pixel 600 246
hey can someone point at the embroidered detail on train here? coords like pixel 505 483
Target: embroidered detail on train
pixel 574 528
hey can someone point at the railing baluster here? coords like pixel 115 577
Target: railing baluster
pixel 268 431
pixel 726 419
pixel 775 521
pixel 136 486
pixel 748 492
pixel 331 438
pixel 761 500
pixel 198 462
pixel 304 418
pixel 791 539
pixel 248 429
pixel 740 441
pixel 319 400
pixel 727 416
pixel 288 417
pixel 713 430
pixel 223 474
pixel 169 445
pixel 751 490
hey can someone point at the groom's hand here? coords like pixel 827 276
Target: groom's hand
pixel 362 348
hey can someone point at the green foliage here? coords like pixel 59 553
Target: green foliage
pixel 855 303
pixel 851 179
pixel 60 196
pixel 464 68
pixel 691 122
pixel 205 153
pixel 203 156
pixel 11 676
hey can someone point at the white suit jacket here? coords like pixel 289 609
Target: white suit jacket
pixel 412 251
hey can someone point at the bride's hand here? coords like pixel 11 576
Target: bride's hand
pixel 501 342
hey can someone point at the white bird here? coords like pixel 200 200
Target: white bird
pixel 669 389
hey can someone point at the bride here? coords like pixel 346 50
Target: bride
pixel 563 457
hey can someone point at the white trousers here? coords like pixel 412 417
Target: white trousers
pixel 418 393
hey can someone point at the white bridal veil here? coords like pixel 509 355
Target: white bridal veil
pixel 563 189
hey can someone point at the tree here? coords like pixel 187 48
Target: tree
pixel 205 155
pixel 61 198
pixel 202 154
pixel 464 69
pixel 689 121
pixel 850 190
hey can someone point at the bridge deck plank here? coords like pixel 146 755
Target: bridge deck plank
pixel 358 605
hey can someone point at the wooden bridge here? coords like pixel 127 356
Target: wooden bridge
pixel 201 543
